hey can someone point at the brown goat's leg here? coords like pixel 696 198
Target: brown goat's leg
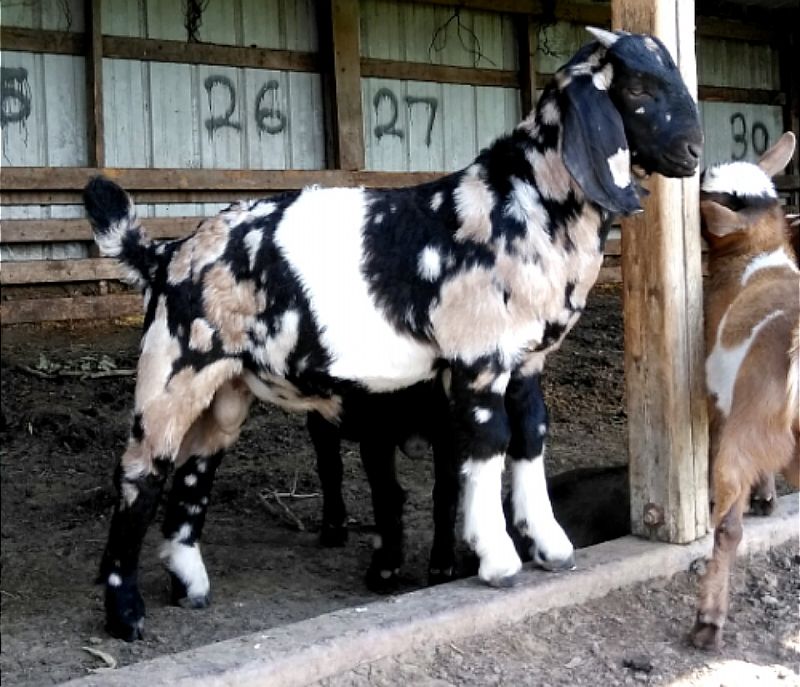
pixel 712 607
pixel 763 497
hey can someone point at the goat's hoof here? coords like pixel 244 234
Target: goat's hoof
pixel 554 564
pixel 503 582
pixel 179 595
pixel 331 536
pixel 124 612
pixel 706 636
pixel 762 506
pixel 441 575
pixel 382 580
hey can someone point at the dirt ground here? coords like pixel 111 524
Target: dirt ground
pixel 62 433
pixel 632 636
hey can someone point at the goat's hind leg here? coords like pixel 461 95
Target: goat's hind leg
pixel 326 438
pixel 200 455
pixel 388 498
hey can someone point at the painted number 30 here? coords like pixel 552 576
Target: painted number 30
pixel 758 139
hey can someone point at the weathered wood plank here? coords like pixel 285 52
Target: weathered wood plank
pixel 59 179
pixel 526 49
pixel 59 271
pixel 74 308
pixel 662 297
pixel 417 71
pixel 131 48
pixel 340 51
pixel 95 136
pixel 59 230
pixel 756 96
pixel 39 41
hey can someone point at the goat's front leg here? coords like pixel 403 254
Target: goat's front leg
pixel 712 606
pixel 532 513
pixel 327 441
pixel 482 433
pixel 730 496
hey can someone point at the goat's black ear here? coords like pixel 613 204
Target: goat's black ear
pixel 595 149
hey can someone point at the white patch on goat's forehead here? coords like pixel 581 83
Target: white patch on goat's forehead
pixel 602 79
pixel 430 263
pixel 620 165
pixel 436 200
pixel 739 178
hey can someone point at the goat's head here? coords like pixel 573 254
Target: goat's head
pixel 738 202
pixel 625 103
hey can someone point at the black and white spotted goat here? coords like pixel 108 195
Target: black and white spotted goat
pixel 297 298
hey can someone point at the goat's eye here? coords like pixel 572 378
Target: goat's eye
pixel 636 90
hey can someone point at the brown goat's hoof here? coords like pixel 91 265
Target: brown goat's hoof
pixel 706 636
pixel 762 506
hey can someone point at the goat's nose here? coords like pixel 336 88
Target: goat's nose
pixel 694 150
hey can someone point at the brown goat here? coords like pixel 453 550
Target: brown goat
pixel 752 368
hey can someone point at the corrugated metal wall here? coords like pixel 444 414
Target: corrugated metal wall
pixel 422 126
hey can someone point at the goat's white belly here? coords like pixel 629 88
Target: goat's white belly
pixel 723 363
pixel 321 237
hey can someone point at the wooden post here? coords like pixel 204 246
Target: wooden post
pixel 94 84
pixel 339 32
pixel 662 297
pixel 526 51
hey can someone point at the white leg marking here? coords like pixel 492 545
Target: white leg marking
pixel 534 514
pixel 186 562
pixel 484 524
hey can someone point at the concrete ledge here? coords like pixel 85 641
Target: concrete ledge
pixel 310 650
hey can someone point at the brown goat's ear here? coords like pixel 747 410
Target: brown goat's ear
pixel 720 221
pixel 777 157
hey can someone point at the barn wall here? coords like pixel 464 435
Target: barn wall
pixel 436 85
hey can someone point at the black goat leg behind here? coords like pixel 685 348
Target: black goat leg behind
pixel 326 438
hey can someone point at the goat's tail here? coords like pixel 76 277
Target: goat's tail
pixel 117 231
pixel 793 380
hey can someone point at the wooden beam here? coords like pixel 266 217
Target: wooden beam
pixel 126 48
pixel 45 179
pixel 421 71
pixel 526 56
pixel 95 137
pixel 59 271
pixel 74 308
pixel 340 40
pixel 42 41
pixel 726 94
pixel 59 230
pixel 662 297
